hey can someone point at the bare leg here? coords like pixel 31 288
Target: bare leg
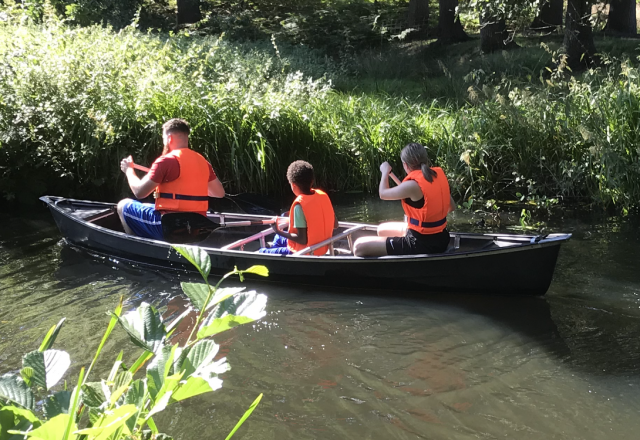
pixel 392 229
pixel 121 205
pixel 370 247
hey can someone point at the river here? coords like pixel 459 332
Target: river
pixel 337 364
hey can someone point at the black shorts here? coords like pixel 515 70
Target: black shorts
pixel 416 243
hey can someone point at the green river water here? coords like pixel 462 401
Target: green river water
pixel 338 364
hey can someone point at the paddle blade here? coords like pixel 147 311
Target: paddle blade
pixel 186 227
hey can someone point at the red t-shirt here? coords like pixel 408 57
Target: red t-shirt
pixel 167 168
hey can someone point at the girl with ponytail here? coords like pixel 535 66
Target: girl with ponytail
pixel 426 201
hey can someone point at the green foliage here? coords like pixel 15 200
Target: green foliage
pixel 122 407
pixel 502 126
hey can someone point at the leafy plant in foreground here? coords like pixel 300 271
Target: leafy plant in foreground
pixel 123 406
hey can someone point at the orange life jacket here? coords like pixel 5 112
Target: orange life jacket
pixel 189 192
pixel 318 212
pixel 432 217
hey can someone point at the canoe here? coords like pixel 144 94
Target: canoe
pixel 473 263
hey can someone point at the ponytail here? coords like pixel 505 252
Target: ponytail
pixel 428 172
pixel 416 158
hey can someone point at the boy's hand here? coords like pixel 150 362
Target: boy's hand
pixel 274 225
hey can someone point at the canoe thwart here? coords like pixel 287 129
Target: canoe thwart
pixel 329 241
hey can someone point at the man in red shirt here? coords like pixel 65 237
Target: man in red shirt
pixel 183 181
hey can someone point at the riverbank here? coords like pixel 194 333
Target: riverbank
pixel 75 101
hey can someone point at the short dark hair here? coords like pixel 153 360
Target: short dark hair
pixel 176 125
pixel 300 172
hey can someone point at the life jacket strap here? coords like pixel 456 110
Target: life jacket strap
pixel 183 197
pixel 435 224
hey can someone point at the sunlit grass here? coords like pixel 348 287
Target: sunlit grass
pixel 75 101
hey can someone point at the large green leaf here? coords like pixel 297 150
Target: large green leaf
pixel 239 309
pixel 135 396
pixel 197 293
pixel 159 368
pixel 57 404
pixel 210 372
pixel 168 387
pixel 51 336
pixel 47 367
pixel 192 387
pixel 202 353
pixel 14 389
pixel 161 403
pixel 34 361
pixel 54 429
pixel 108 424
pixel 123 378
pixel 222 293
pixel 145 327
pixel 199 364
pixel 56 363
pixel 7 422
pixel 93 395
pixel 120 386
pixel 135 393
pixel 16 418
pixel 196 256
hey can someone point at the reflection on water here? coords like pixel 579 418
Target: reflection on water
pixel 376 365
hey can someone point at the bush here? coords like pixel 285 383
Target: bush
pixel 121 406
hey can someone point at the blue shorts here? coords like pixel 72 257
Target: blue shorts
pixel 279 246
pixel 143 219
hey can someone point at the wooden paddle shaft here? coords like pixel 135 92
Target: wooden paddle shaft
pixel 394 178
pixel 140 167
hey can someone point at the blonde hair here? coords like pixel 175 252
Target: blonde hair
pixel 416 158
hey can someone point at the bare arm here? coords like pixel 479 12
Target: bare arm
pixel 406 190
pixel 215 188
pixel 141 188
pixel 300 237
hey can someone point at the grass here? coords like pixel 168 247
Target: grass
pixel 74 101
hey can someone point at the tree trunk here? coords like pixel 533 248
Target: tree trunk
pixel 622 17
pixel 549 16
pixel 494 35
pixel 449 25
pixel 189 11
pixel 418 14
pixel 578 35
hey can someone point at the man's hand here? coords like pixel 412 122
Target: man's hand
pixel 126 163
pixel 385 168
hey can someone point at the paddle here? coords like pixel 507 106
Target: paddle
pixel 191 227
pixel 394 178
pixel 255 204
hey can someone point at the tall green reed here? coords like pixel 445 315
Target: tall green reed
pixel 74 101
